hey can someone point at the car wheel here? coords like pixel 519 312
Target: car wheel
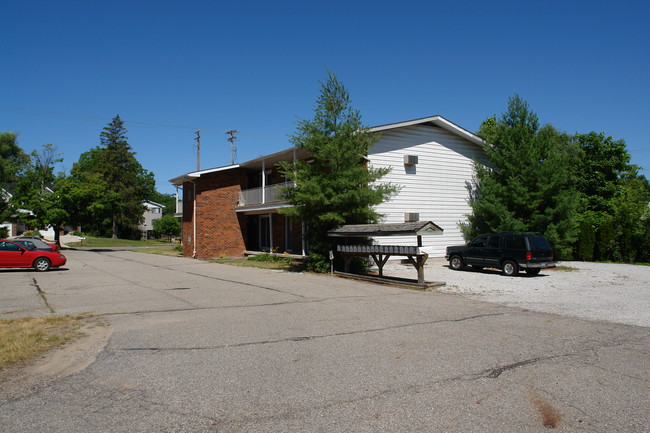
pixel 42 264
pixel 510 268
pixel 532 271
pixel 456 263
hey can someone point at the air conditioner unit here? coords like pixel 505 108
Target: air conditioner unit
pixel 410 159
pixel 411 217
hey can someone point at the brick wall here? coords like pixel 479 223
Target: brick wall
pixel 220 231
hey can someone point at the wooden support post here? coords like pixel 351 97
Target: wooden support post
pixel 420 266
pixel 347 258
pixel 418 262
pixel 380 262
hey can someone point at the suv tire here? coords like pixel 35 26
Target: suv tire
pixel 456 263
pixel 510 268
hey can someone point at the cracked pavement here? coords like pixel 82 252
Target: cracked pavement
pixel 199 347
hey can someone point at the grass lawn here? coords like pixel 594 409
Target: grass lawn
pixel 283 265
pixel 108 242
pixel 165 249
pixel 26 338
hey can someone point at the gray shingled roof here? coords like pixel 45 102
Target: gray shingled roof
pixel 416 228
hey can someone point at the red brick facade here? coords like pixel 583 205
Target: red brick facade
pixel 221 231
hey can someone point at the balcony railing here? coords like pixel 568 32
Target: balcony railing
pixel 269 194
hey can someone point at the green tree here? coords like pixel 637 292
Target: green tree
pixel 127 182
pixel 12 160
pixel 613 200
pixel 630 220
pixel 168 226
pixel 528 185
pixel 336 186
pixel 33 186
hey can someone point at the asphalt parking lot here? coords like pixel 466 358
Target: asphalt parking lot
pixel 199 347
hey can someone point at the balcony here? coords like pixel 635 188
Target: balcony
pixel 266 195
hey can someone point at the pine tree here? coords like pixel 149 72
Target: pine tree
pixel 336 186
pixel 127 183
pixel 529 184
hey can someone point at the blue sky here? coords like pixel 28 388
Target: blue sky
pixel 170 68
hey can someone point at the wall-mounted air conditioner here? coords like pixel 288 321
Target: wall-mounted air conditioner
pixel 411 217
pixel 410 159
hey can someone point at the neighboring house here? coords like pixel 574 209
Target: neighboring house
pixel 233 209
pixel 13 227
pixel 153 211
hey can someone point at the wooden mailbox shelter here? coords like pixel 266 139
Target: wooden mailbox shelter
pixel 381 253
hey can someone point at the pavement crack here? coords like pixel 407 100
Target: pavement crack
pixel 310 337
pixel 216 278
pixel 245 284
pixel 41 293
pixel 493 373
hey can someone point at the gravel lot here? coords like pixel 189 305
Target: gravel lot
pixel 616 293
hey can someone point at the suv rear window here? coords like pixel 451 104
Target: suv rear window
pixel 515 243
pixel 538 242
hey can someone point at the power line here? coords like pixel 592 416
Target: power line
pixel 60 114
pixel 135 123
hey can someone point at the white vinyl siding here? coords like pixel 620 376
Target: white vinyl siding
pixel 436 187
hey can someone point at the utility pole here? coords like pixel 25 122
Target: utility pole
pixel 198 149
pixel 233 146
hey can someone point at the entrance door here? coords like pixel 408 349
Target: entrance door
pixel 265 233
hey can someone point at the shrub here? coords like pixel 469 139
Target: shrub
pixel 266 257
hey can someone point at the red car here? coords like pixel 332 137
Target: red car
pixel 13 255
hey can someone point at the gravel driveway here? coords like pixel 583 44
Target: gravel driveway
pixel 616 293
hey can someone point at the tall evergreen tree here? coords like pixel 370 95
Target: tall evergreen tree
pixel 529 183
pixel 336 186
pixel 126 181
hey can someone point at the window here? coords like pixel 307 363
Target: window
pixel 515 243
pixel 155 210
pixel 479 242
pixel 495 242
pixel 8 246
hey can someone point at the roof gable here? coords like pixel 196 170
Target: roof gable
pixel 438 121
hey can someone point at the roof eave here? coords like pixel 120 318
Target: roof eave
pixel 196 174
pixel 436 121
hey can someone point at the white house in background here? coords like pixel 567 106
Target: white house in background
pixel 13 228
pixel 153 211
pixel 432 160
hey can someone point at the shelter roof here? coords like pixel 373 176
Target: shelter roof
pixel 416 228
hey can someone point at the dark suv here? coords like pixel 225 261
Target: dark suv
pixel 510 252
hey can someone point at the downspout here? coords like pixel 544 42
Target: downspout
pixel 193 220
